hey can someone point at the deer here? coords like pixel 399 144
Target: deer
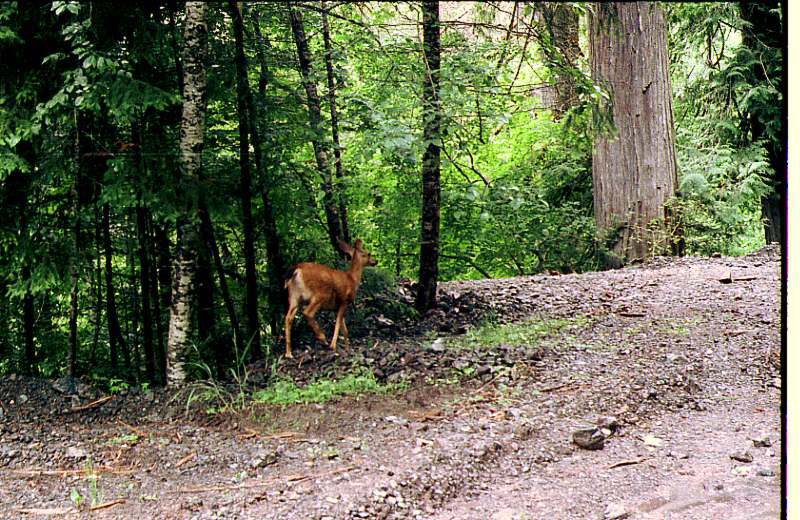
pixel 318 287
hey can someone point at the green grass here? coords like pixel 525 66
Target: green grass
pixel 285 391
pixel 526 333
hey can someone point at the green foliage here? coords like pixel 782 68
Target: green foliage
pixel 529 332
pixel 285 391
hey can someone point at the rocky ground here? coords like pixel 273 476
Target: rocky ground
pixel 670 370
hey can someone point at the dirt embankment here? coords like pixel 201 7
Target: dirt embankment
pixel 678 358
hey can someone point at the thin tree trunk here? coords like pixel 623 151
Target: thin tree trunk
pixel 191 148
pixel 206 311
pixel 635 172
pixel 72 351
pixel 242 95
pixel 337 148
pixel 27 324
pixel 277 265
pixel 132 330
pixel 207 231
pixel 115 340
pixel 164 262
pixel 144 282
pixel 429 245
pixel 315 120
pixel 97 278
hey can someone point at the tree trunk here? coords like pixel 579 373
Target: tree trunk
pixel 242 94
pixel 429 246
pixel 144 282
pixel 561 21
pixel 27 324
pixel 191 160
pixel 97 277
pixel 115 340
pixel 766 34
pixel 634 172
pixel 315 119
pixel 277 265
pixel 206 310
pixel 337 148
pixel 132 325
pixel 210 242
pixel 164 260
pixel 158 347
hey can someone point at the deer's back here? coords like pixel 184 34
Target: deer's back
pixel 319 281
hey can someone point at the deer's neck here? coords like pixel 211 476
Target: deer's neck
pixel 355 271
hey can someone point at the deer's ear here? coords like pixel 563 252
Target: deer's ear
pixel 345 247
pixel 359 245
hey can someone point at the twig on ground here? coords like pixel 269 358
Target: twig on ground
pixel 627 462
pixel 93 404
pixel 186 459
pixel 107 505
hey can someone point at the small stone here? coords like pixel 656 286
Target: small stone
pixel 762 441
pixel 652 440
pixel 75 453
pixel 332 500
pixel 608 422
pixel 615 512
pixel 395 420
pixel 22 399
pixel 437 346
pixel 589 438
pixel 765 472
pixel 483 370
pixel 741 470
pixel 742 456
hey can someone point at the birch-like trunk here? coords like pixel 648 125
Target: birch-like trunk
pixel 191 157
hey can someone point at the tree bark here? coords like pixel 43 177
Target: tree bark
pixel 561 21
pixel 191 160
pixel 337 147
pixel 210 241
pixel 28 324
pixel 115 340
pixel 242 95
pixel 634 172
pixel 164 260
pixel 315 119
pixel 277 265
pixel 429 245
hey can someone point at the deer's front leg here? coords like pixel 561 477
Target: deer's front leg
pixel 339 322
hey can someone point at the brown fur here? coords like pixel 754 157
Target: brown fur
pixel 318 287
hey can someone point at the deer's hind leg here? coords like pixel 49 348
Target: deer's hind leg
pixel 309 312
pixel 287 326
pixel 339 323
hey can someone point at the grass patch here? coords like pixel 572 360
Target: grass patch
pixel 528 332
pixel 285 391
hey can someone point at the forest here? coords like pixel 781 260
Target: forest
pixel 163 166
pixel 558 229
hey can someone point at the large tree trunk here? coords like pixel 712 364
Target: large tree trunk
pixel 766 34
pixel 191 150
pixel 27 324
pixel 242 105
pixel 429 246
pixel 634 172
pixel 337 148
pixel 315 119
pixel 277 265
pixel 561 22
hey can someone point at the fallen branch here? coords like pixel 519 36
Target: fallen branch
pixel 93 404
pixel 632 314
pixel 627 462
pixel 44 511
pixel 69 472
pixel 134 429
pixel 107 505
pixel 186 459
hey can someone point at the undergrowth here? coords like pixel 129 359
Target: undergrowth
pixel 284 391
